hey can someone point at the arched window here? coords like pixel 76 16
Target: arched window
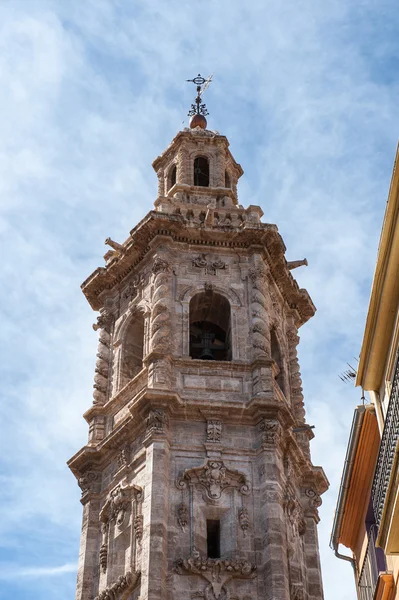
pixel 201 171
pixel 172 176
pixel 210 328
pixel 227 182
pixel 132 350
pixel 276 356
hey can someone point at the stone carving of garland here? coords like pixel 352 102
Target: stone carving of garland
pixel 160 315
pixel 123 585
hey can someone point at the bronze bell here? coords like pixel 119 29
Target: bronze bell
pixel 207 338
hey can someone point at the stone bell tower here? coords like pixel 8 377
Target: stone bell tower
pixel 196 479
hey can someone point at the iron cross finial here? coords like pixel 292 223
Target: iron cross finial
pixel 202 84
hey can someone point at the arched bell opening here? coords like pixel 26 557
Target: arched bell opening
pixel 278 361
pixel 201 171
pixel 210 327
pixel 227 181
pixel 132 350
pixel 172 176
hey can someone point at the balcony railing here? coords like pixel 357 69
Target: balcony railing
pixel 386 453
pixel 373 564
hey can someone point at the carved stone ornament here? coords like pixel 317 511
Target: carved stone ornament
pixel 123 457
pixel 104 321
pixel 160 265
pixel 156 421
pixel 118 590
pixel 270 429
pixel 297 592
pixel 293 510
pixel 138 527
pixel 209 594
pixel 314 499
pixel 217 571
pixel 103 557
pixel 208 287
pixel 243 519
pixel 118 503
pixel 214 477
pixel 88 481
pixel 182 515
pixel 213 430
pixel 133 285
pixel 257 273
pixel 104 547
pixel 210 266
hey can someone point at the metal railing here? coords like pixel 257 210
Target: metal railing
pixel 386 453
pixel 373 564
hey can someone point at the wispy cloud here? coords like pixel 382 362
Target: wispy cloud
pixel 13 571
pixel 91 92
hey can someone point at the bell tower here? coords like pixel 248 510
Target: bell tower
pixel 196 479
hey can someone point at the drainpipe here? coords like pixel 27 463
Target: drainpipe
pixel 345 481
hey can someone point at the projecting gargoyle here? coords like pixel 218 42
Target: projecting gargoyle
pixel 293 264
pixel 114 245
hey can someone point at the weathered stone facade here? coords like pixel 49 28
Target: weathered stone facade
pixel 196 479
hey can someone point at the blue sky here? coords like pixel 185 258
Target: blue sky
pixel 91 92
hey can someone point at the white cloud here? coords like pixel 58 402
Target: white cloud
pixel 92 92
pixel 11 571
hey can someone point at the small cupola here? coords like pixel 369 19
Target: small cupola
pixel 198 163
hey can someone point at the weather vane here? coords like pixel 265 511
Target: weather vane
pixel 199 109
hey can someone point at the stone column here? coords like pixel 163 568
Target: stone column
pixel 273 569
pixel 183 174
pixel 311 545
pixel 295 381
pixel 104 324
pixel 88 566
pixel 259 326
pixel 155 509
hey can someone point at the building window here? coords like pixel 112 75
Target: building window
pixel 227 182
pixel 132 350
pixel 213 538
pixel 172 176
pixel 210 330
pixel 201 171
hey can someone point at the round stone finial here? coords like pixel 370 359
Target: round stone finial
pixel 198 121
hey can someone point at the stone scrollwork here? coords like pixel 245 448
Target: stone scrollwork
pixel 210 266
pixel 214 477
pixel 314 499
pixel 133 286
pixel 119 589
pixel 89 481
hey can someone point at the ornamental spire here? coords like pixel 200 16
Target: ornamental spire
pixel 198 110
